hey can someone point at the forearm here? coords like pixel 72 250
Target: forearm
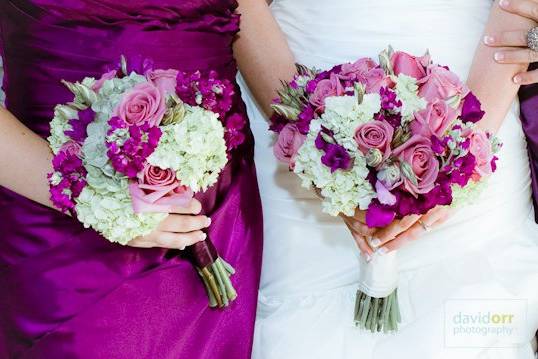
pixel 492 82
pixel 25 160
pixel 262 52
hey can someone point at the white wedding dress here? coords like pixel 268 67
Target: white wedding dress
pixel 487 250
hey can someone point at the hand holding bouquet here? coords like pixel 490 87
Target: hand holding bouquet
pixel 135 144
pixel 393 139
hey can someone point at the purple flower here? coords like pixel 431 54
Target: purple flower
pixel 471 110
pixel 234 135
pixel 389 102
pixel 378 215
pixel 304 119
pixel 78 131
pixel 277 122
pixel 336 157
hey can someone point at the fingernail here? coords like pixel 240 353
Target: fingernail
pixel 382 251
pixel 367 257
pixel 376 242
pixel 203 236
pixel 504 3
pixel 208 222
pixel 499 56
pixel 517 79
pixel 488 40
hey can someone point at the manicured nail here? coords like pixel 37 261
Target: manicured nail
pixel 382 251
pixel 367 257
pixel 504 3
pixel 208 222
pixel 499 56
pixel 375 242
pixel 203 236
pixel 517 79
pixel 488 40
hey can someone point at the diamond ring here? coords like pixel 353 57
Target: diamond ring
pixel 532 39
pixel 424 225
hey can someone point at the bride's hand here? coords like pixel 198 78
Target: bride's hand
pixel 407 229
pixel 182 228
pixel 360 231
pixel 516 40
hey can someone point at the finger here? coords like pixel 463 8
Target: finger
pixel 526 78
pixel 507 38
pixel 194 207
pixel 359 227
pixel 525 8
pixel 362 243
pixel 395 228
pixel 521 56
pixel 179 240
pixel 181 223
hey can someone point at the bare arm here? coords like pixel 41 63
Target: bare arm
pixel 491 81
pixel 262 52
pixel 25 160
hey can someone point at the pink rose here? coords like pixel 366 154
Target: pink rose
pixel 442 84
pixel 158 190
pixel 326 88
pixel 403 63
pixel 480 148
pixel 375 134
pixel 164 80
pixel 288 143
pixel 107 76
pixel 434 119
pixel 417 153
pixel 71 148
pixel 365 71
pixel 143 104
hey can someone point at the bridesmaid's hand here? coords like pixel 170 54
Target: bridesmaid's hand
pixel 360 232
pixel 182 228
pixel 408 228
pixel 516 40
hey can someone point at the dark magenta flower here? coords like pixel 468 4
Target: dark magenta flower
pixel 378 215
pixel 234 135
pixel 471 110
pixel 336 157
pixel 79 126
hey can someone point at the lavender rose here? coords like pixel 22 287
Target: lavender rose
pixel 416 155
pixel 288 143
pixel 403 63
pixel 375 135
pixel 158 190
pixel 164 80
pixel 434 120
pixel 480 148
pixel 143 104
pixel 441 83
pixel 366 71
pixel 326 88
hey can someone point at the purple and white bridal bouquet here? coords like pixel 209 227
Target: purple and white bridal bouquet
pixel 393 139
pixel 137 142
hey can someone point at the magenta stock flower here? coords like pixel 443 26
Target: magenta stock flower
pixel 234 134
pixel 128 155
pixel 389 101
pixel 471 109
pixel 79 126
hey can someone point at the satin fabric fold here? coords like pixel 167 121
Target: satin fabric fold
pixel 69 293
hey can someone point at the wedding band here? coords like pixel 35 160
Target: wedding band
pixel 532 39
pixel 424 225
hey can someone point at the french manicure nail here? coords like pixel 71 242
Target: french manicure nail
pixel 517 79
pixel 382 251
pixel 367 257
pixel 203 236
pixel 499 56
pixel 488 40
pixel 504 3
pixel 208 222
pixel 375 242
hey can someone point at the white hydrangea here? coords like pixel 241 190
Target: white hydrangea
pixel 195 148
pixel 60 124
pixel 407 91
pixel 105 205
pixel 342 191
pixel 343 114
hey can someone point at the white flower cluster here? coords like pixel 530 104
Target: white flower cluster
pixel 194 148
pixel 407 91
pixel 342 191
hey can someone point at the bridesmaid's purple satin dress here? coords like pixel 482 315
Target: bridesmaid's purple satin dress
pixel 65 291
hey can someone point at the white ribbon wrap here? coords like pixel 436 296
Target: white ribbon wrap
pixel 379 277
